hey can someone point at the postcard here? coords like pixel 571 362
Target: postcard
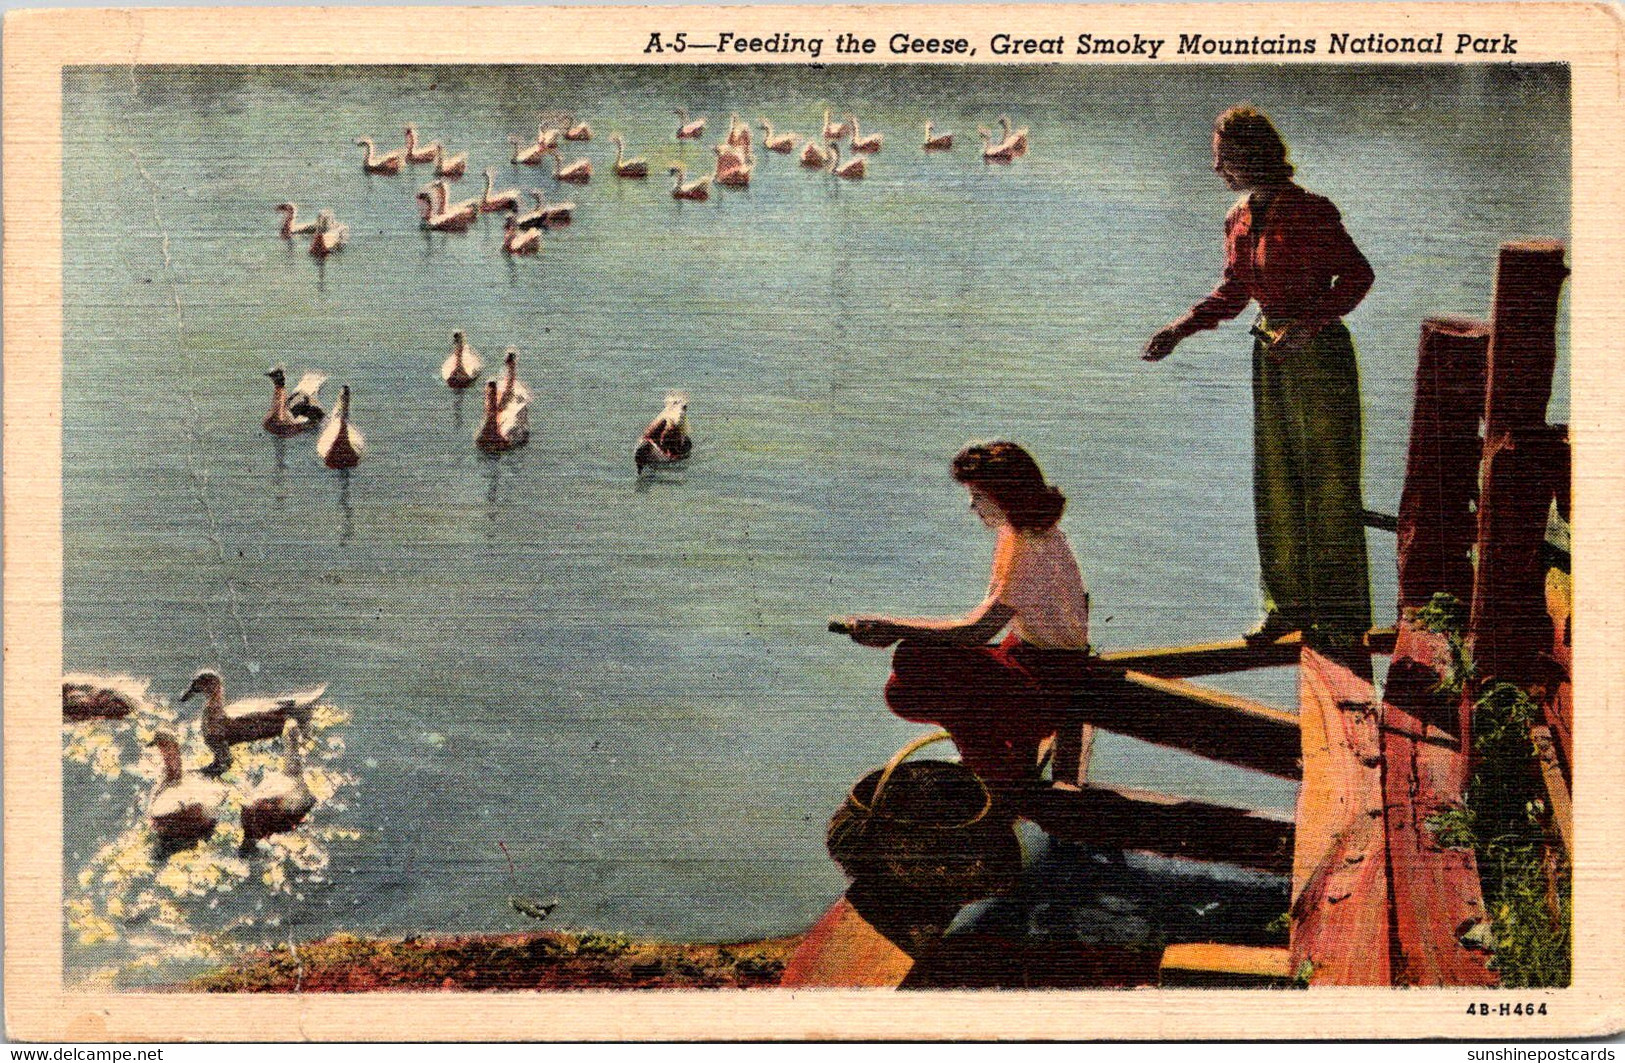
pixel 934 522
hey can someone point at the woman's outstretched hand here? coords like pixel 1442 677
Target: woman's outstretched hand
pixel 875 631
pixel 1161 345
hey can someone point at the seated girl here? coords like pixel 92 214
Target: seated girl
pixel 998 702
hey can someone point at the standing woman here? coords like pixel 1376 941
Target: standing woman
pixel 1287 249
pixel 998 702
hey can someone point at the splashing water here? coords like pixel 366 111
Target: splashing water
pixel 145 916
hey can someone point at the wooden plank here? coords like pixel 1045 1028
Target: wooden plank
pixel 1116 818
pixel 1210 658
pixel 1436 524
pixel 1435 890
pixel 1181 715
pixel 1216 965
pixel 843 951
pixel 1218 658
pixel 1340 912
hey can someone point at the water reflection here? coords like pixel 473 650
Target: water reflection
pixel 457 408
pixel 346 511
pixel 279 478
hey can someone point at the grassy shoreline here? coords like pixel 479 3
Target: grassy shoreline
pixel 551 960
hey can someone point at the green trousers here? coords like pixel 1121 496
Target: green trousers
pixel 1306 486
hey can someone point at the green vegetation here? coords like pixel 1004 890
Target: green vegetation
pixel 1525 876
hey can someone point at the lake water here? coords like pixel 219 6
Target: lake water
pixel 628 684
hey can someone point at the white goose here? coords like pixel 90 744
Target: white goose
pixel 341 444
pixel 1002 152
pixel 576 172
pixel 504 427
pixel 687 130
pixel 624 167
pixel 526 154
pixel 183 810
pixel 331 235
pixel 415 152
pixel 463 366
pixel 852 169
pixel 491 200
pixel 869 144
pixel 291 225
pixel 546 215
pixel 247 719
pixel 372 162
pixel 1017 141
pixel 513 389
pixel 282 799
pixel 814 157
pixel 783 143
pixel 517 241
pixel 452 166
pixel 834 130
pixel 697 189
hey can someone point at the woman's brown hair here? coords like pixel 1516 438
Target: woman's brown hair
pixel 1012 479
pixel 1254 145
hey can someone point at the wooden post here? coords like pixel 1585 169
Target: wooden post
pixel 1436 527
pixel 1340 908
pixel 1510 629
pixel 1521 461
pixel 1523 335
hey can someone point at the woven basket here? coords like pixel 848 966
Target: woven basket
pixel 928 826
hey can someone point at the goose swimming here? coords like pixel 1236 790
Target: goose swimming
pixel 331 235
pixel 341 444
pixel 625 167
pixel 546 215
pixel 783 143
pixel 666 440
pixel 247 719
pixel 291 225
pixel 492 200
pixel 937 141
pixel 183 810
pixel 462 367
pixel 504 427
pixel 282 799
pixel 517 241
pixel 513 389
pixel 294 411
pixel 386 165
pixel 102 697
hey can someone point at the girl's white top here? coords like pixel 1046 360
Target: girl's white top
pixel 1036 575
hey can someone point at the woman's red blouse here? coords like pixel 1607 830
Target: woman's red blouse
pixel 1297 260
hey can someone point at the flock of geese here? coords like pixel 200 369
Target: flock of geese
pixel 505 426
pixel 522 231
pixel 185 807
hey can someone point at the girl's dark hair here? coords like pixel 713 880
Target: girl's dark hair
pixel 1011 478
pixel 1254 144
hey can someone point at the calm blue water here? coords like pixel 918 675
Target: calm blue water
pixel 629 684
